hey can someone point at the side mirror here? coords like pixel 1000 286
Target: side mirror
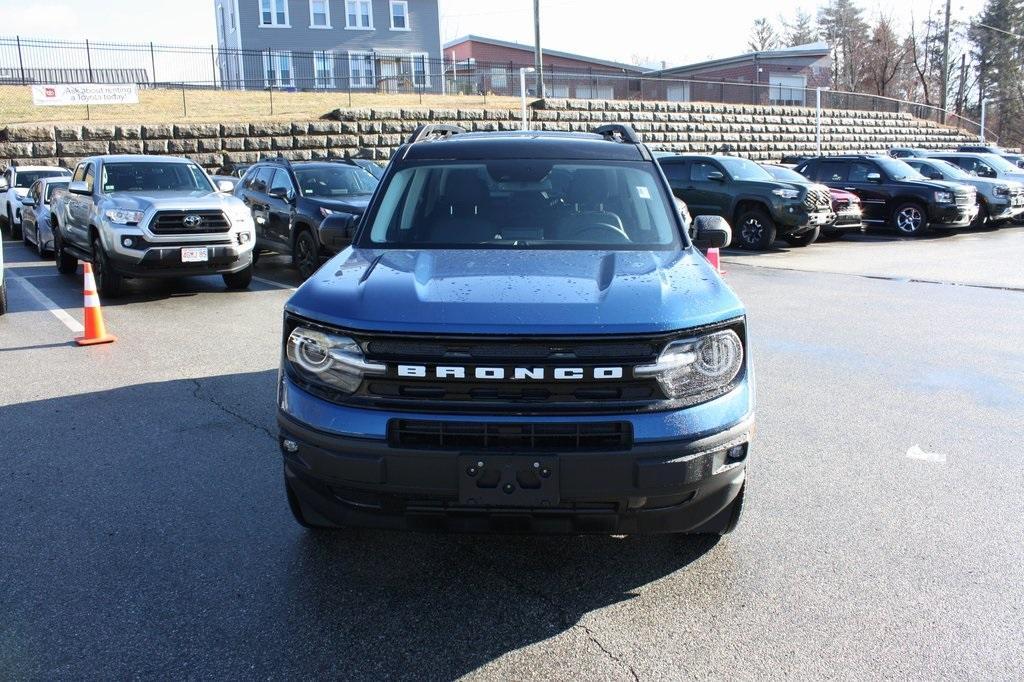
pixel 711 232
pixel 3 185
pixel 716 176
pixel 28 200
pixel 225 186
pixel 79 187
pixel 337 230
pixel 279 193
pixel 874 177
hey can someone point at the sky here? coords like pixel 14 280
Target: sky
pixel 674 31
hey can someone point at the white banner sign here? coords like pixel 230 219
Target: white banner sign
pixel 90 93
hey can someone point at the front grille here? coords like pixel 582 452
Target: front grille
pixel 817 199
pixel 525 437
pixel 174 222
pixel 965 198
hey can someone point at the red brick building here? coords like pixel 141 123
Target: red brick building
pixel 491 65
pixel 781 77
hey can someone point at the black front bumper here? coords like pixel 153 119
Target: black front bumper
pixel 672 486
pixel 951 215
pixel 166 262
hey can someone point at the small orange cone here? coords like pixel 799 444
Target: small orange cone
pixel 715 261
pixel 95 330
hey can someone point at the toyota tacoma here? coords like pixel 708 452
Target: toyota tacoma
pixel 522 337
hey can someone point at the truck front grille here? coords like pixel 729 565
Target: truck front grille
pixel 184 222
pixel 817 199
pixel 965 197
pixel 520 437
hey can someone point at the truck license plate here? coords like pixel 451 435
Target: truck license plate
pixel 195 255
pixel 508 480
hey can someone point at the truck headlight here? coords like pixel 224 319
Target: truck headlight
pixel 697 367
pixel 944 197
pixel 328 360
pixel 1001 190
pixel 787 193
pixel 120 216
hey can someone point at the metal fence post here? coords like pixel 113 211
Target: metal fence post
pixel 88 59
pixel 21 62
pixel 213 63
pixel 184 104
pixel 152 62
pixel 270 89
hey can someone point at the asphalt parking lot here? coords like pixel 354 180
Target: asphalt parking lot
pixel 145 530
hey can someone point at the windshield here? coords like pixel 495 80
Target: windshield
pixel 785 174
pixel 538 204
pixel 742 169
pixel 999 163
pixel 951 170
pixel 154 177
pixel 898 170
pixel 24 179
pixel 50 186
pixel 332 182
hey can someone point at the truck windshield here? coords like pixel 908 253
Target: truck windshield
pixel 999 163
pixel 24 179
pixel 154 177
pixel 785 174
pixel 50 186
pixel 334 181
pixel 743 169
pixel 898 170
pixel 527 204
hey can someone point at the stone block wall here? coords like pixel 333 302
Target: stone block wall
pixel 762 133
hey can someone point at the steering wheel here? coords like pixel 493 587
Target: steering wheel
pixel 604 233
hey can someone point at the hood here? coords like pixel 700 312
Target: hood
pixel 356 203
pixel 196 201
pixel 842 194
pixel 493 291
pixel 769 185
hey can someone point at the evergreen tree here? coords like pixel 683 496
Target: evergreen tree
pixel 998 55
pixel 841 24
pixel 800 30
pixel 763 36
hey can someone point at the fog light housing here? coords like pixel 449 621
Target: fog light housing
pixel 243 237
pixel 736 453
pixel 290 445
pixel 128 242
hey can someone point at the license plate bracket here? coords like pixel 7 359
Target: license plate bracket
pixel 508 480
pixel 195 254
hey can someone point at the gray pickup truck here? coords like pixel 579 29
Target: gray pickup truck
pixel 150 216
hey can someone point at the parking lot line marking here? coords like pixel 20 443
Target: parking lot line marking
pixel 917 453
pixel 273 283
pixel 45 301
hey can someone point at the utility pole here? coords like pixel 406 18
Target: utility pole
pixel 538 53
pixel 945 64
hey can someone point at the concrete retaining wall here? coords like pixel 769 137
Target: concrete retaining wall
pixel 763 133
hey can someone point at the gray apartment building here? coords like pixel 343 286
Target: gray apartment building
pixel 362 45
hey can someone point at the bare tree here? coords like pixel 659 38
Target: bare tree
pixel 763 36
pixel 885 59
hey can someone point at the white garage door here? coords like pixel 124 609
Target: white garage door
pixel 678 93
pixel 787 89
pixel 595 92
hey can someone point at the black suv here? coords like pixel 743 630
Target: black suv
pixel 290 200
pixel 891 192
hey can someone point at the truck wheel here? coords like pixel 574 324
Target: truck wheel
pixel 982 221
pixel 15 229
pixel 910 219
pixel 255 256
pixel 306 255
pixel 757 230
pixel 238 280
pixel 304 516
pixel 66 263
pixel 804 239
pixel 109 282
pixel 3 298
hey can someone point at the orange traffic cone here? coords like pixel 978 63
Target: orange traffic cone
pixel 713 258
pixel 95 330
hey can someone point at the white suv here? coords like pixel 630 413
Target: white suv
pixel 14 185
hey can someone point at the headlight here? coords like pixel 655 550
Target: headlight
pixel 329 360
pixel 120 216
pixel 786 193
pixel 697 367
pixel 325 211
pixel 1001 190
pixel 944 197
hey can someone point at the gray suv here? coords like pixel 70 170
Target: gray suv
pixel 999 201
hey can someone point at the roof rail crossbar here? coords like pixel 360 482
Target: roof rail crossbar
pixel 275 159
pixel 618 132
pixel 442 130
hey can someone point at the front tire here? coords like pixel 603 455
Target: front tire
pixel 238 280
pixel 910 220
pixel 109 282
pixel 15 229
pixel 982 221
pixel 756 230
pixel 804 239
pixel 306 254
pixel 3 298
pixel 66 263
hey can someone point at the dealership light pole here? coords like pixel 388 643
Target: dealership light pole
pixel 522 91
pixel 538 53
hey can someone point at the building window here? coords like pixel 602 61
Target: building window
pixel 399 15
pixel 323 69
pixel 420 70
pixel 277 68
pixel 359 15
pixel 319 14
pixel 274 13
pixel 360 69
pixel 499 77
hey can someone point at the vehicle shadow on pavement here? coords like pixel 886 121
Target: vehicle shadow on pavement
pixel 147 534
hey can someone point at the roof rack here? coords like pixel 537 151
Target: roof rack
pixel 442 130
pixel 618 132
pixel 275 159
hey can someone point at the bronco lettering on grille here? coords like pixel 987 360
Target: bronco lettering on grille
pixel 509 373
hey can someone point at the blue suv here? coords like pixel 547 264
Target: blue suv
pixel 522 337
